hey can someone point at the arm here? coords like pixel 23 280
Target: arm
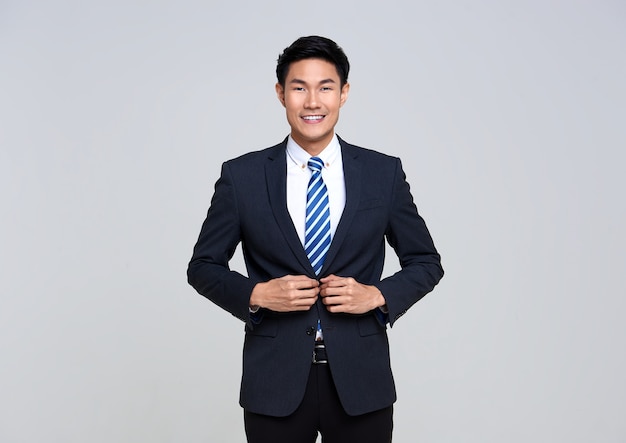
pixel 208 271
pixel 420 262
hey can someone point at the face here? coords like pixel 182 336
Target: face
pixel 312 96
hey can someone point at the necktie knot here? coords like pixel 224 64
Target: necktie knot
pixel 315 164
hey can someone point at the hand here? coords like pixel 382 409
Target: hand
pixel 286 294
pixel 345 294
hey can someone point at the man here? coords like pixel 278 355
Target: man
pixel 312 214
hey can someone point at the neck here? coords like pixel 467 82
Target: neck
pixel 314 147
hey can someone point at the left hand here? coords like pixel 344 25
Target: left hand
pixel 345 294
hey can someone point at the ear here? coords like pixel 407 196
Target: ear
pixel 280 93
pixel 344 94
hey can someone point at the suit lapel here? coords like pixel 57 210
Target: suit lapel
pixel 276 176
pixel 352 179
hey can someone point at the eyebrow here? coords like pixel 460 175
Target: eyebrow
pixel 302 82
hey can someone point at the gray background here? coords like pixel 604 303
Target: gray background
pixel 115 117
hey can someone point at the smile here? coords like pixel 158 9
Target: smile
pixel 312 118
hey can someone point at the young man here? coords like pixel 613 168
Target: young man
pixel 312 214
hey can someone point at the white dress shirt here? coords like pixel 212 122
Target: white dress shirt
pixel 298 176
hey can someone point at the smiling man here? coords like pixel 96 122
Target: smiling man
pixel 312 215
pixel 312 94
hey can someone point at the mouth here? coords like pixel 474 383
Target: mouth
pixel 312 118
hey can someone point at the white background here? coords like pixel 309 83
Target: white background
pixel 116 116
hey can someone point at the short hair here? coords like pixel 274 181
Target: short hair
pixel 313 47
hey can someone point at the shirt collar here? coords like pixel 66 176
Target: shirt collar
pixel 330 155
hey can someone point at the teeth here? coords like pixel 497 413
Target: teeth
pixel 312 117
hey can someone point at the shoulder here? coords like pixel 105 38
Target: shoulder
pixel 254 158
pixel 368 155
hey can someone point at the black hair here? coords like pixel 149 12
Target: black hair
pixel 313 47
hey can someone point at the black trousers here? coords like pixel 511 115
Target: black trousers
pixel 320 411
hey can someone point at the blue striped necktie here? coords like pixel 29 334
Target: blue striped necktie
pixel 317 225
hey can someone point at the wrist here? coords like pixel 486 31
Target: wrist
pixel 382 303
pixel 254 303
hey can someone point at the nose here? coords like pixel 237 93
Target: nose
pixel 311 100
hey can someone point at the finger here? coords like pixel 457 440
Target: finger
pixel 336 309
pixel 329 278
pixel 333 300
pixel 291 277
pixel 305 283
pixel 302 284
pixel 340 283
pixel 329 291
pixel 303 294
pixel 305 302
pixel 308 284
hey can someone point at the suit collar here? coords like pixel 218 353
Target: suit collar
pixel 276 177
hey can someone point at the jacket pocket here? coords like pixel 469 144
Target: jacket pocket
pixel 267 328
pixel 368 325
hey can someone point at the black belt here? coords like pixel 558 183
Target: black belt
pixel 319 354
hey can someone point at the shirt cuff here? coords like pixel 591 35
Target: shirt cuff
pixel 256 315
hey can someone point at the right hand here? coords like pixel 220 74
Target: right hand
pixel 286 294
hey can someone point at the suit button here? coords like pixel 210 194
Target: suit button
pixel 310 330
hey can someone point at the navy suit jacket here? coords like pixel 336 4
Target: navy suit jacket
pixel 250 206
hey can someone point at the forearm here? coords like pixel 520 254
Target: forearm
pixel 407 287
pixel 228 289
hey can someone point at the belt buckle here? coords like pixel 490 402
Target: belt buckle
pixel 314 360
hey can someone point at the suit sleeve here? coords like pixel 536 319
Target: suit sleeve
pixel 420 262
pixel 208 271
